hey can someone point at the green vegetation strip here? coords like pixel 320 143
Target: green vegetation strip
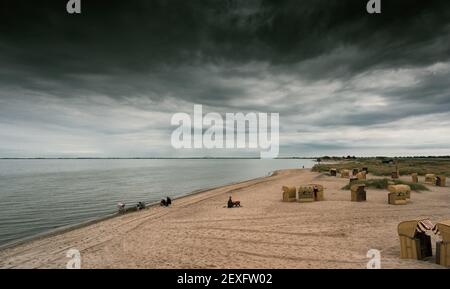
pixel 378 168
pixel 384 183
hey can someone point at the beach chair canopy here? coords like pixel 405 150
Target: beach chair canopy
pixel 444 230
pixel 289 190
pixel 411 228
pixel 361 175
pixel 401 189
pixel 317 186
pixel 306 193
pixel 305 190
pixel 408 228
pixel 345 173
pixel 430 177
pixel 358 187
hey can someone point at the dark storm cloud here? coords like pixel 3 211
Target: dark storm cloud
pixel 128 38
pixel 123 67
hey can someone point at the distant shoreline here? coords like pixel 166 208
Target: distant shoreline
pixel 163 158
pixel 323 159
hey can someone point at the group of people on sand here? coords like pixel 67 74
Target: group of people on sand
pixel 166 203
pixel 141 205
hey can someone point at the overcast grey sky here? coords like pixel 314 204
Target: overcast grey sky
pixel 107 82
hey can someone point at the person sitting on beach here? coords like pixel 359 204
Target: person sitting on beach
pixel 141 206
pixel 230 203
pixel 121 207
pixel 167 202
pixel 233 204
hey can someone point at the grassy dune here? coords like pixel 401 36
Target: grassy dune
pixel 406 166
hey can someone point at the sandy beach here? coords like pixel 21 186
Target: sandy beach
pixel 199 232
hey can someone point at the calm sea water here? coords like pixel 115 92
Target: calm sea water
pixel 41 195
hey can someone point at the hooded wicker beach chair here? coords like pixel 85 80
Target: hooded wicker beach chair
pixel 414 242
pixel 441 181
pixel 397 199
pixel 345 174
pixel 318 192
pixel 361 175
pixel 401 189
pixel 358 193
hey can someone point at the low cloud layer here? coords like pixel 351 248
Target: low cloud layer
pixel 106 82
